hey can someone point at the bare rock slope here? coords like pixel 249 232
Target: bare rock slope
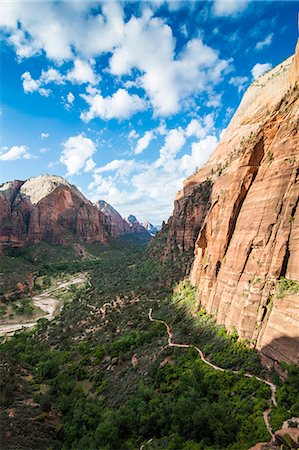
pixel 245 226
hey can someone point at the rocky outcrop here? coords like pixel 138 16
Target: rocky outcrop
pixel 150 228
pixel 134 225
pixel 117 224
pixel 285 438
pixel 247 228
pixel 177 236
pixel 48 208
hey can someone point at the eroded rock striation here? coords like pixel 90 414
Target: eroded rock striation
pixel 240 212
pixel 48 208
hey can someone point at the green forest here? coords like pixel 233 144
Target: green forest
pixel 101 375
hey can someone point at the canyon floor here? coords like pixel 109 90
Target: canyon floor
pixel 106 374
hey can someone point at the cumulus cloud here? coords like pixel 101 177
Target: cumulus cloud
pixel 189 73
pixel 259 69
pixel 144 142
pixel 15 152
pixel 174 142
pixel 239 82
pixel 152 186
pixel 51 76
pixel 143 45
pixel 76 154
pixel 200 128
pixel 120 105
pixel 82 72
pixel 265 43
pixel 229 7
pixel 30 85
pixel 122 167
pixel 199 154
pixel 44 135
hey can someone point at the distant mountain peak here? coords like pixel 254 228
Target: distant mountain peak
pixel 131 219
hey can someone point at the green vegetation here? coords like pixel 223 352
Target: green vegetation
pixel 101 375
pixel 287 287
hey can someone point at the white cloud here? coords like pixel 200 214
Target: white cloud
pixel 90 165
pixel 148 189
pixel 214 100
pixel 152 186
pixel 200 153
pixel 15 152
pixel 259 69
pixel 174 142
pixel 265 43
pixel 181 76
pixel 122 167
pixel 82 72
pixel 229 7
pixel 51 76
pixel 200 128
pixel 76 154
pixel 239 82
pixel 144 142
pixel 44 135
pixel 121 105
pixel 142 48
pixel 133 135
pixel 30 85
pixel 70 98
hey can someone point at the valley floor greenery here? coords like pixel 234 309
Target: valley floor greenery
pixel 101 376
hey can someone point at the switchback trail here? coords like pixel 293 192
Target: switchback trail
pixel 272 386
pixel 45 301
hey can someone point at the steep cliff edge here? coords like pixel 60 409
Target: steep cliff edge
pixel 247 229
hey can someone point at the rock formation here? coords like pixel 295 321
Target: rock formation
pixel 48 208
pixel 241 212
pixel 150 228
pixel 117 224
pixel 134 225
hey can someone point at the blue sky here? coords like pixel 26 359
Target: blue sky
pixel 126 99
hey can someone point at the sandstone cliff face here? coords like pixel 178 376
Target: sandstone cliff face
pixel 134 225
pixel 114 220
pixel 178 236
pixel 118 225
pixel 47 208
pixel 249 230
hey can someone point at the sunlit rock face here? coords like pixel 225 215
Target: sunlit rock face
pixel 48 208
pixel 118 225
pixel 249 228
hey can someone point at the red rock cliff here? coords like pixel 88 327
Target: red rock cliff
pixel 47 208
pixel 249 235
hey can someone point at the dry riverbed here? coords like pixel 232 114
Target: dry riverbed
pixel 47 303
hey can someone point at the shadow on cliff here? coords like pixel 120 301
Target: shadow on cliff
pixel 281 350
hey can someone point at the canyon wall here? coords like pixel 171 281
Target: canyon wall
pixel 48 208
pixel 249 228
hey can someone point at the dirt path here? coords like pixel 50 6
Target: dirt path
pixel 266 414
pixel 47 302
